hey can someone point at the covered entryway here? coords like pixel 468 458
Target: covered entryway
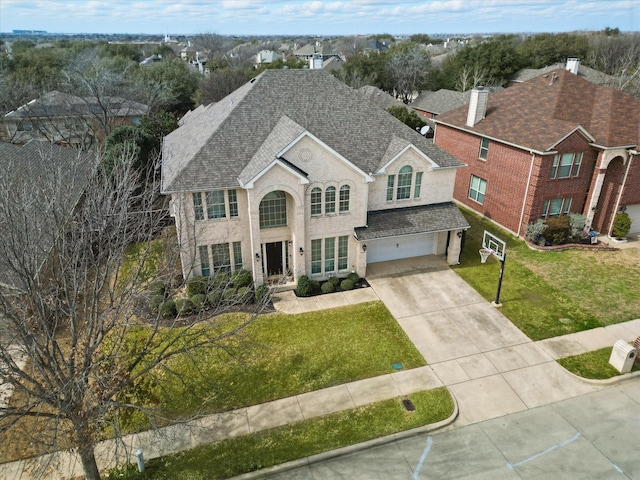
pixel 394 248
pixel 276 258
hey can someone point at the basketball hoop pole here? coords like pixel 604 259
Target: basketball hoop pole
pixel 504 258
pixel 497 248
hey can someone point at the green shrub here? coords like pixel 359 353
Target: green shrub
pixel 327 287
pixel 184 306
pixel 557 231
pixel 219 280
pixel 577 222
pixel 197 285
pixel 304 287
pixel 535 231
pixel 335 281
pixel 214 297
pixel 155 301
pixel 245 294
pixel 230 296
pixel 621 225
pixel 168 309
pixel 354 277
pixel 199 300
pixel 346 284
pixel 158 288
pixel 241 278
pixel 262 291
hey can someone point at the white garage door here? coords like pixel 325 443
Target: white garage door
pixel 634 214
pixel 394 248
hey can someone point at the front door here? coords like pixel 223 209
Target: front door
pixel 274 258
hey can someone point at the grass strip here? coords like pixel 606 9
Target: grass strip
pixel 248 453
pixel 593 365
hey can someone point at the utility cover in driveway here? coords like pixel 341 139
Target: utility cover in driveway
pixel 394 248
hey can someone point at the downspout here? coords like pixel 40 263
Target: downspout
pixel 526 193
pixel 624 182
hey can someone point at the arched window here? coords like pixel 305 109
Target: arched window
pixel 316 202
pixel 330 201
pixel 404 183
pixel 344 198
pixel 273 210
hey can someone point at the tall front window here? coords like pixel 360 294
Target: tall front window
pixel 273 210
pixel 215 204
pixel 325 252
pixel 316 202
pixel 484 148
pixel 237 256
pixel 390 186
pixel 329 254
pixel 343 252
pixel 344 198
pixel 198 208
pixel 205 270
pixel 418 185
pixel 566 165
pixel 404 183
pixel 233 203
pixel 330 201
pixel 316 256
pixel 221 257
pixel 477 189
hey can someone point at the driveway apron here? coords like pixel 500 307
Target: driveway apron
pixel 488 364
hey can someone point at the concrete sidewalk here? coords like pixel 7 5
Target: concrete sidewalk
pixel 489 366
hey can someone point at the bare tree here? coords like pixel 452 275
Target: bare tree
pixel 618 57
pixel 471 77
pixel 408 68
pixel 69 307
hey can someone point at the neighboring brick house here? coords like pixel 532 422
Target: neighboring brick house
pixel 552 145
pixel 68 119
pixel 296 173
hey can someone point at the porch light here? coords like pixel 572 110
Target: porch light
pixel 364 247
pixel 257 257
pixel 301 251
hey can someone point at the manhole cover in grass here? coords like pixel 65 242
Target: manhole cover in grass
pixel 566 320
pixel 397 366
pixel 408 405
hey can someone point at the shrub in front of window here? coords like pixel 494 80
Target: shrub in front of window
pixel 158 289
pixel 535 231
pixel 261 293
pixel 327 287
pixel 230 296
pixel 168 309
pixel 335 281
pixel 184 306
pixel 219 280
pixel 558 231
pixel 244 294
pixel 241 278
pixel 621 225
pixel 346 284
pixel 304 287
pixel 197 285
pixel 155 301
pixel 214 297
pixel 354 277
pixel 577 221
pixel 199 301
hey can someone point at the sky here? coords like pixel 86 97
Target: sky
pixel 319 17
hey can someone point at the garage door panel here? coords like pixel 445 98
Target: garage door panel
pixel 384 249
pixel 634 214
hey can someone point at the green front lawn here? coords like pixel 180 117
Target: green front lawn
pixel 594 365
pixel 547 294
pixel 276 356
pixel 297 440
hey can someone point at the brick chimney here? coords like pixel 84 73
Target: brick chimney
pixel 477 105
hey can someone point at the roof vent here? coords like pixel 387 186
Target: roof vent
pixel 477 105
pixel 573 64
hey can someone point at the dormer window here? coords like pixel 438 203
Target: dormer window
pixel 566 165
pixel 402 188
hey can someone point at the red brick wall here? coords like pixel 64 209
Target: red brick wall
pixel 631 194
pixel 506 171
pixel 609 195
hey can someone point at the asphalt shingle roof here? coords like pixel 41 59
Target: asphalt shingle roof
pixel 211 150
pixel 538 113
pixel 412 220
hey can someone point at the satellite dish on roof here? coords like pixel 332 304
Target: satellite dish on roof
pixel 424 130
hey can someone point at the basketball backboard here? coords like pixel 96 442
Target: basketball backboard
pixel 493 243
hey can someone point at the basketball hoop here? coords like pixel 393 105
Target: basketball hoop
pixel 484 254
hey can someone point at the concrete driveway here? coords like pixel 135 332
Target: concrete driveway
pixel 488 364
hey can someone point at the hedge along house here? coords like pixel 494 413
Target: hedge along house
pixel 296 173
pixel 552 145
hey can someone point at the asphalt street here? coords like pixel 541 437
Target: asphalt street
pixel 593 436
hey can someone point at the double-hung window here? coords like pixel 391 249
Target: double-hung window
pixel 404 183
pixel 198 208
pixel 215 204
pixel 343 252
pixel 418 185
pixel 316 256
pixel 390 187
pixel 566 165
pixel 477 189
pixel 407 180
pixel 233 203
pixel 329 255
pixel 316 202
pixel 484 148
pixel 214 201
pixel 237 256
pixel 556 207
pixel 330 201
pixel 221 257
pixel 344 198
pixel 205 270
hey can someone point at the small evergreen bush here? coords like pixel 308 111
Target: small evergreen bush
pixel 168 309
pixel 219 280
pixel 304 287
pixel 158 288
pixel 214 297
pixel 354 277
pixel 199 300
pixel 346 284
pixel 230 296
pixel 262 291
pixel 535 231
pixel 557 231
pixel 197 285
pixel 241 278
pixel 155 301
pixel 244 294
pixel 577 222
pixel 621 225
pixel 327 287
pixel 184 306
pixel 335 281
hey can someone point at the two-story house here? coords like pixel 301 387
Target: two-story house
pixel 552 145
pixel 296 173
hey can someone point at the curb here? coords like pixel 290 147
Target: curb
pixel 607 381
pixel 340 452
